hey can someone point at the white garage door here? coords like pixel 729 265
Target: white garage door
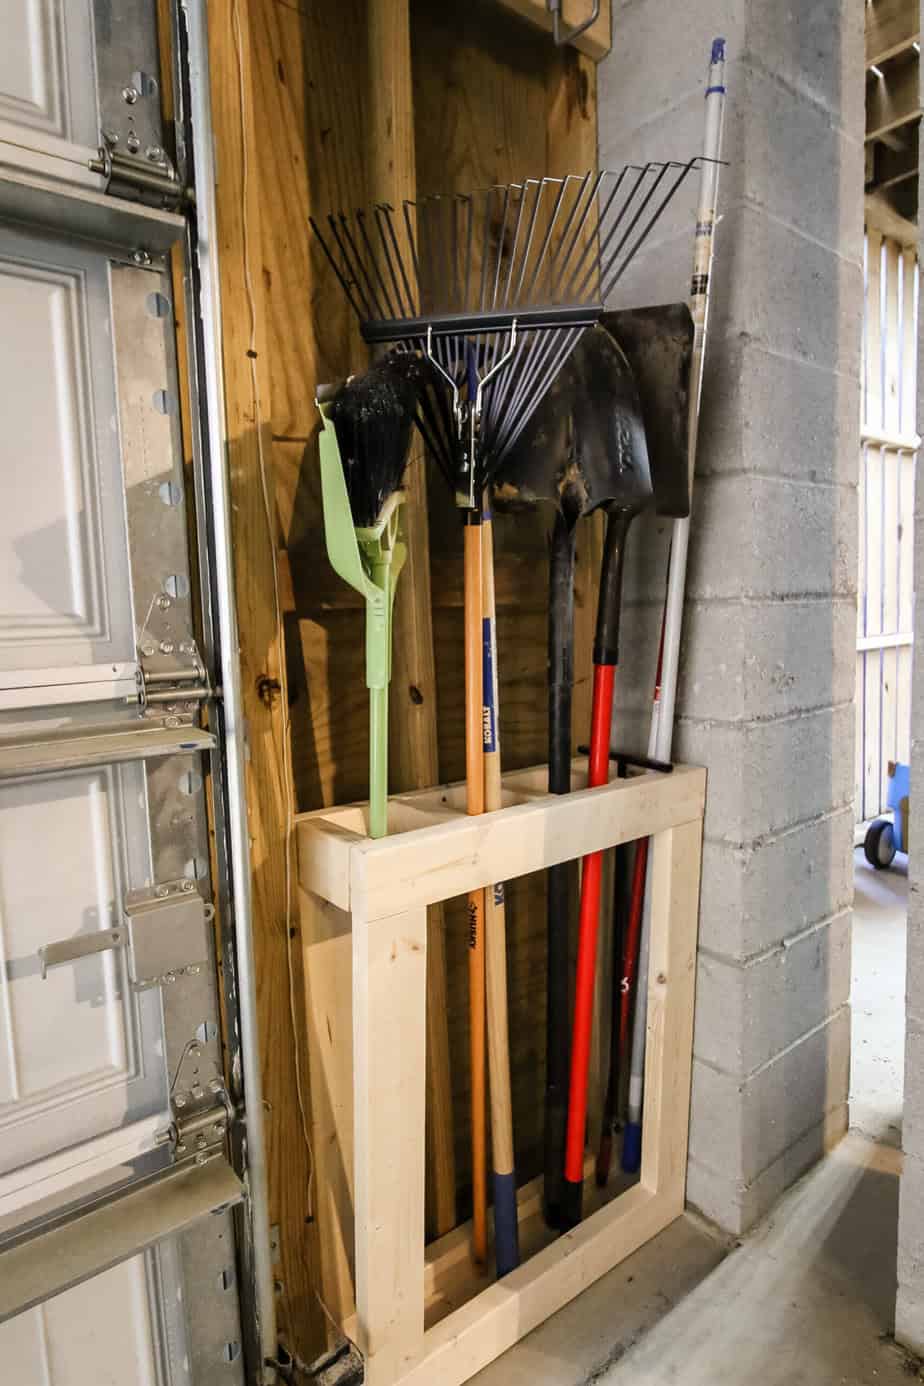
pixel 109 1004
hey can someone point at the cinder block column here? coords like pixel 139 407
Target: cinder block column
pixel 767 679
pixel 909 1308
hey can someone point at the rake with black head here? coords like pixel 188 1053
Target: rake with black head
pixel 488 292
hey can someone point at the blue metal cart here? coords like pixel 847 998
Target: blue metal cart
pixel 884 838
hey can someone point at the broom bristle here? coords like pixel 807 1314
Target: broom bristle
pixel 373 414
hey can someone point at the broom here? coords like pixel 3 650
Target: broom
pixel 364 447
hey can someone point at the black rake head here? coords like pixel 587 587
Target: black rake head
pixel 492 290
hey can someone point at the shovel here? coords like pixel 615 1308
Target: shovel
pixel 583 449
pixel 658 343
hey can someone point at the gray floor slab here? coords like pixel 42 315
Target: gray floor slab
pixel 808 1298
pixel 878 999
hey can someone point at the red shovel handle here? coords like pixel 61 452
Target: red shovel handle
pixel 604 675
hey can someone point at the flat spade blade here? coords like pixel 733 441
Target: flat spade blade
pixel 585 445
pixel 658 343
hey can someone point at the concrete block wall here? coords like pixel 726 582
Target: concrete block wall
pixel 909 1308
pixel 767 676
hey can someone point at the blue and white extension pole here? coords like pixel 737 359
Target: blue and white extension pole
pixel 662 717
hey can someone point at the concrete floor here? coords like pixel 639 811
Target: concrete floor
pixel 877 999
pixel 807 1298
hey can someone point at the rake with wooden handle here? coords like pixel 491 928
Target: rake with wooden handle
pixel 489 292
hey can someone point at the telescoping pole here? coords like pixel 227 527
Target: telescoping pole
pixel 662 724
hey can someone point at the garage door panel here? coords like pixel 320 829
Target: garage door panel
pixel 64 872
pixel 48 82
pixel 105 1331
pixel 65 592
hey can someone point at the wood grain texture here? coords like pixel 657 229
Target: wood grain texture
pixel 386 883
pixel 233 48
pixel 490 99
pixel 413 752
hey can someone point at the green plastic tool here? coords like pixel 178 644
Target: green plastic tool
pixel 370 560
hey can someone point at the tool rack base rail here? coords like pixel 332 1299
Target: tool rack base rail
pixel 364 920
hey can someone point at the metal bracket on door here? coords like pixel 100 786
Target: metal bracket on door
pixel 81 946
pixel 201 1109
pixel 158 687
pixel 166 934
pixel 151 180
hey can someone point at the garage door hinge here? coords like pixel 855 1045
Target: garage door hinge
pixel 167 689
pixel 200 1107
pixel 149 178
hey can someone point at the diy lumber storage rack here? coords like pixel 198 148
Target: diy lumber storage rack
pixel 435 852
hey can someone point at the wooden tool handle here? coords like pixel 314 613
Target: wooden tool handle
pixel 476 997
pixel 474 770
pixel 506 1231
pixel 474 780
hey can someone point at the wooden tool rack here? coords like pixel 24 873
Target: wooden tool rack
pixel 422 1313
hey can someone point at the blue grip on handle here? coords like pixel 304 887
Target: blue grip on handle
pixel 632 1147
pixel 506 1226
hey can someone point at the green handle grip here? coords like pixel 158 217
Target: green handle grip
pixel 370 560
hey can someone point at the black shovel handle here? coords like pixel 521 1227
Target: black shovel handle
pixel 561 878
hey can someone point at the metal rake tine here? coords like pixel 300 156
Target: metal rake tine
pixel 378 212
pixel 345 227
pixel 524 259
pixel 520 381
pixel 453 209
pixel 511 260
pixel 501 384
pixel 524 366
pixel 468 250
pixel 535 367
pixel 388 213
pixel 412 242
pixel 610 233
pixel 566 342
pixel 602 214
pixel 628 258
pixel 429 424
pixel 531 295
pixel 373 260
pixel 485 256
pixel 440 422
pixel 500 245
pixel 425 218
pixel 345 283
pixel 503 191
pixel 561 258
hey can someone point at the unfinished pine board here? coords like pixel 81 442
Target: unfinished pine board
pixel 373 895
pixel 233 54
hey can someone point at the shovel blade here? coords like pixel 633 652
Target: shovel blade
pixel 658 343
pixel 585 444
